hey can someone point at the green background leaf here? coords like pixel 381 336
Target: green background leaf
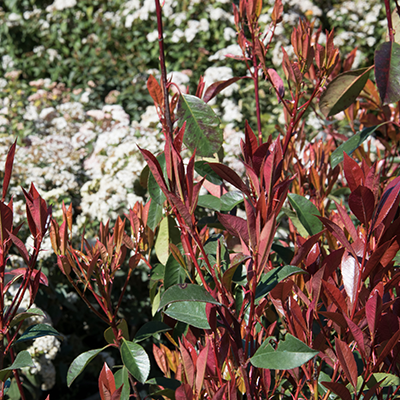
pixel 190 312
pixel 36 331
pixel 306 212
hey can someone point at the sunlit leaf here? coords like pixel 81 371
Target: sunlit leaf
pixel 306 212
pixel 290 353
pixel 203 132
pixel 343 91
pixel 135 360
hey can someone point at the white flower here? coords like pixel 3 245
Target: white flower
pixel 231 111
pixel 7 62
pixel 152 36
pixel 177 35
pixel 215 74
pixel 30 113
pixel 229 33
pixel 13 17
pixel 61 5
pixel 150 117
pixel 233 49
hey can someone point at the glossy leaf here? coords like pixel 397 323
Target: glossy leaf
pixel 192 313
pixel 205 171
pixel 217 87
pixel 106 383
pixel 80 363
pixel 135 360
pixel 277 82
pixel 36 331
pixel 186 292
pixel 155 215
pixel 350 275
pixel 203 132
pixel 273 277
pixel 150 329
pixel 225 203
pixel 122 378
pixel 338 389
pixel 343 91
pixel 155 191
pixel 161 246
pixel 385 378
pixel 22 360
pixel 290 353
pixel 306 212
pixel 387 71
pixel 184 392
pixel 362 203
pixel 347 361
pixel 27 314
pixel 173 274
pixel 351 144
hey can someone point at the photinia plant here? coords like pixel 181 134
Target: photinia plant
pixel 278 283
pixel 24 280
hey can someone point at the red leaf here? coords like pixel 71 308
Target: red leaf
pixel 277 82
pixel 201 367
pixel 184 392
pixel 250 140
pixel 231 176
pixel 219 394
pixel 387 73
pixel 336 296
pixel 305 249
pixel 337 318
pixel 155 169
pixel 338 389
pixel 21 247
pixel 357 334
pixel 348 223
pixel 63 264
pixel 375 258
pixel 390 345
pixel 217 87
pixel 236 226
pixel 372 311
pixel 155 91
pixel 188 366
pixel 8 169
pixel 106 383
pixel 6 222
pixel 389 199
pixel 353 173
pixel 347 361
pixel 362 203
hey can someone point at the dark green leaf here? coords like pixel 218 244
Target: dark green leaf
pixel 135 360
pixel 306 212
pixel 230 200
pixel 296 221
pixel 174 273
pixel 36 331
pixel 190 312
pixel 387 71
pixel 203 132
pixel 204 170
pixel 80 363
pixel 149 329
pixel 155 191
pixel 343 91
pixel 168 383
pixel 27 314
pixel 155 215
pixel 291 353
pixel 186 292
pixel 351 144
pixel 209 201
pixel 22 360
pixel 285 253
pixel 272 278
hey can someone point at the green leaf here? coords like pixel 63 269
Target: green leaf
pixel 225 203
pixel 285 253
pixel 162 242
pixel 272 278
pixel 351 144
pixel 306 212
pixel 387 71
pixel 27 314
pixel 388 379
pixel 173 273
pixel 189 312
pixel 343 91
pixel 150 329
pixel 80 363
pixel 186 292
pixel 36 331
pixel 135 360
pixel 122 378
pixel 22 360
pixel 109 334
pixel 203 132
pixel 168 383
pixel 291 353
pixel 296 221
pixel 155 215
pixel 209 201
pixel 204 170
pixel 155 191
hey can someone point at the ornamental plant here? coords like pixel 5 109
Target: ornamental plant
pixel 19 286
pixel 281 283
